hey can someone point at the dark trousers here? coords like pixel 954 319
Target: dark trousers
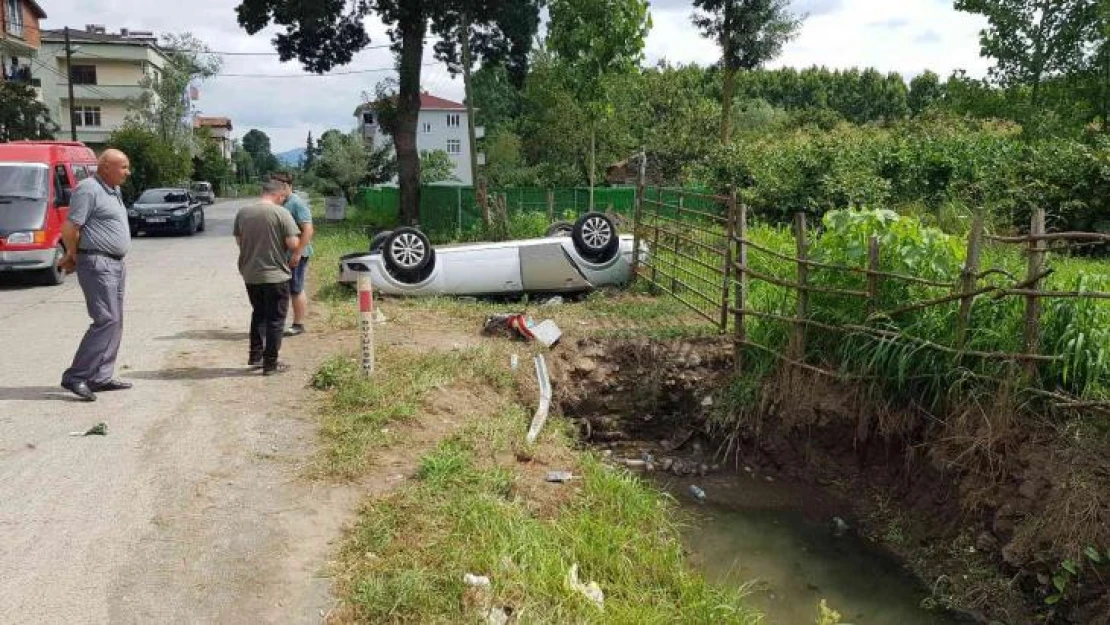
pixel 270 304
pixel 102 281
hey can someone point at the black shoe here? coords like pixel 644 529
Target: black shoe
pixel 80 389
pixel 254 362
pixel 294 329
pixel 110 385
pixel 275 368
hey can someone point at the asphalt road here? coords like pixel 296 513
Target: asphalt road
pixel 191 508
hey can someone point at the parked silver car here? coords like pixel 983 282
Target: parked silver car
pixel 203 192
pixel 573 258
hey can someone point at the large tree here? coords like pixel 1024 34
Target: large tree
pixel 257 144
pixel 164 106
pixel 1033 40
pixel 325 34
pixel 155 162
pixel 750 33
pixel 22 115
pixel 596 41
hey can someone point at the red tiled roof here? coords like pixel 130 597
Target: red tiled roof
pixel 212 122
pixel 430 102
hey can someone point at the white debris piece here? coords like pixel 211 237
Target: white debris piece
pixel 591 591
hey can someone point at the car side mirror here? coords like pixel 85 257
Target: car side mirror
pixel 63 199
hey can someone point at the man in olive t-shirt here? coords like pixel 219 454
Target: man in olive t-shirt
pixel 265 233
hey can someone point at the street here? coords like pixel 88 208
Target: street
pixel 192 508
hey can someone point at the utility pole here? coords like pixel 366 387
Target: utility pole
pixel 69 85
pixel 464 35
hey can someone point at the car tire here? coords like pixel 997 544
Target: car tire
pixel 595 237
pixel 54 276
pixel 202 225
pixel 378 241
pixel 560 229
pixel 408 255
pixel 192 227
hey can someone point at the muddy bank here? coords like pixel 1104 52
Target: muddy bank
pixel 985 505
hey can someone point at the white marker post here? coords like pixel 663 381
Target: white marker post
pixel 366 314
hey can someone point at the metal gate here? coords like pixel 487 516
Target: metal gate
pixel 689 240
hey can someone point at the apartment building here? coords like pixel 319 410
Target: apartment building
pixel 442 125
pixel 19 40
pixel 107 72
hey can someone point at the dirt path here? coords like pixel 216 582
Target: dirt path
pixel 194 507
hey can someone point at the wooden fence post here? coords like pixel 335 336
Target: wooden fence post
pixel 731 233
pixel 550 206
pixel 741 284
pixel 798 335
pixel 872 275
pixel 1032 302
pixel 968 279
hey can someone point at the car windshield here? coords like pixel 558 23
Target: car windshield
pixel 23 193
pixel 201 186
pixel 163 196
pixel 23 181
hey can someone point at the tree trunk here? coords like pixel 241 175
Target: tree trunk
pixel 593 161
pixel 468 62
pixel 408 114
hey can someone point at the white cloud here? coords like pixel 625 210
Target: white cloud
pixel 907 36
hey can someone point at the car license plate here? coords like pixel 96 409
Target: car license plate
pixel 156 220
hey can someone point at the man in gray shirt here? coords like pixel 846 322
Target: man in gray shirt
pixel 266 233
pixel 97 238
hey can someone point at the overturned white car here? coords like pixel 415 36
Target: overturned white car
pixel 573 258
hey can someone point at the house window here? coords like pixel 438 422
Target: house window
pixel 426 127
pixel 84 74
pixel 86 116
pixel 454 146
pixel 453 120
pixel 368 118
pixel 14 21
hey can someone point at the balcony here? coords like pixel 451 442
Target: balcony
pixel 102 92
pixel 20 74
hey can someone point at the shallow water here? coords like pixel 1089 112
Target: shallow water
pixel 779 540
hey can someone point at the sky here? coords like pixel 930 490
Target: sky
pixel 258 91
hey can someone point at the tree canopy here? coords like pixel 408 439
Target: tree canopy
pixel 324 35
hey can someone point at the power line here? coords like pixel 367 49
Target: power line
pixel 343 73
pixel 346 73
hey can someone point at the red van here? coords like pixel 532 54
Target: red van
pixel 36 179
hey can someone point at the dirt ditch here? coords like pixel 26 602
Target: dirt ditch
pixel 986 508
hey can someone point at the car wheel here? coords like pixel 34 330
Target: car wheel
pixel 560 229
pixel 408 255
pixel 595 237
pixel 378 241
pixel 54 276
pixel 191 229
pixel 201 228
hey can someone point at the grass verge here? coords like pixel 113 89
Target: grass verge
pixel 474 508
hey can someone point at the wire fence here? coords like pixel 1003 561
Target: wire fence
pixel 450 212
pixel 699 252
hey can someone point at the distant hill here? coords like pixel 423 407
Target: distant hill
pixel 292 158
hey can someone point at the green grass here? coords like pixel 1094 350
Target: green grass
pixel 464 514
pixel 361 409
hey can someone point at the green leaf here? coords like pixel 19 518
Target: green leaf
pixel 1070 567
pixel 1053 599
pixel 1093 555
pixel 1060 582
